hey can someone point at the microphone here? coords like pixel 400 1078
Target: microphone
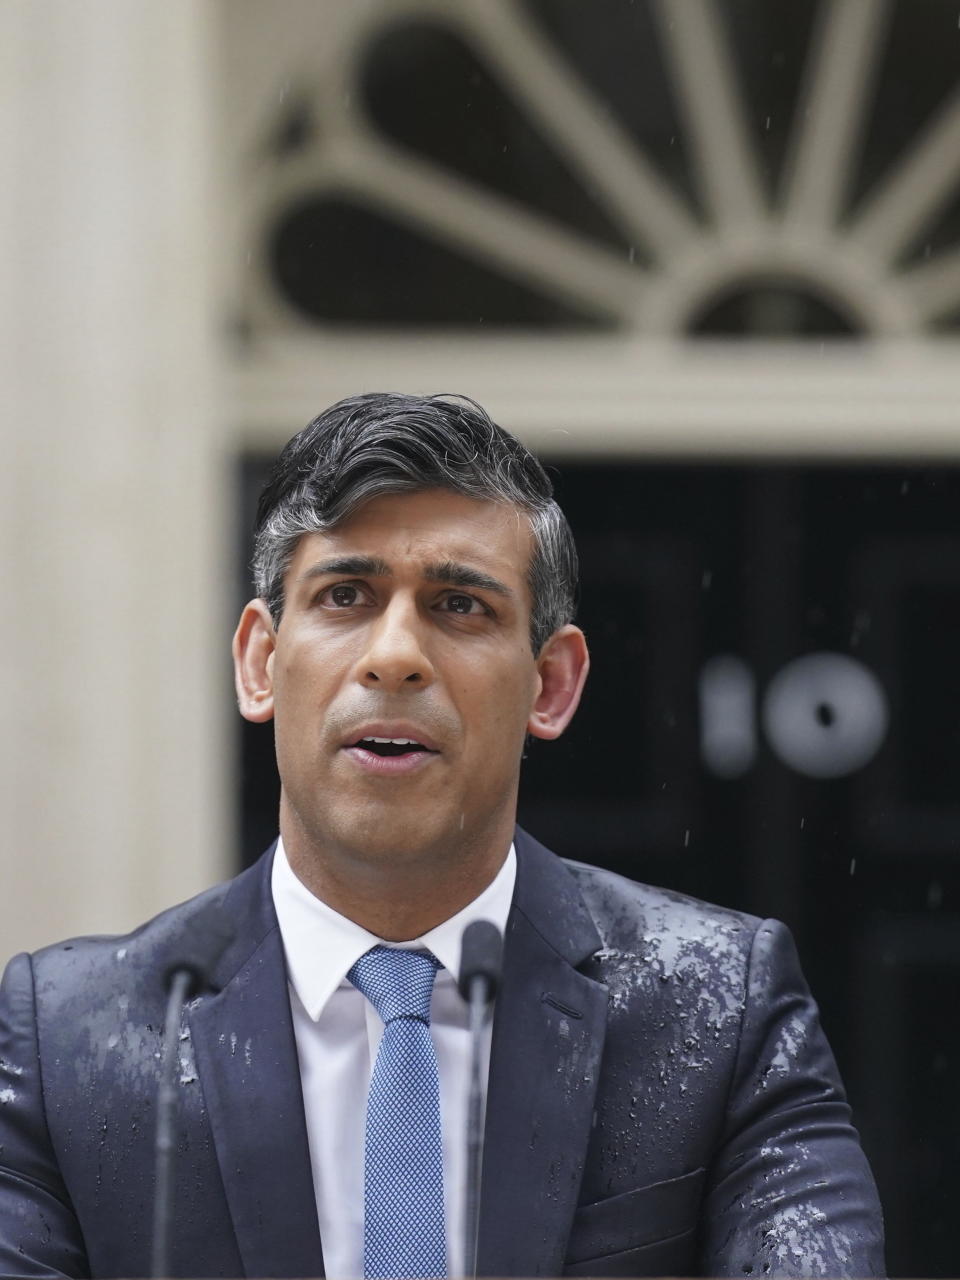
pixel 201 946
pixel 481 960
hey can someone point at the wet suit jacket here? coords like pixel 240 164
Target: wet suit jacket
pixel 662 1100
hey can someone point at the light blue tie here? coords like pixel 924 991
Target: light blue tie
pixel 403 1233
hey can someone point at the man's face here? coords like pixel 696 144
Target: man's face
pixel 411 622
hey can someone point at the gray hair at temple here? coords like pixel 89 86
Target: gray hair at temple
pixel 370 445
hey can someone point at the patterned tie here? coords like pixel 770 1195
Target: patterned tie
pixel 403 1233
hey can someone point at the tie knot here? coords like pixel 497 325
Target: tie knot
pixel 398 983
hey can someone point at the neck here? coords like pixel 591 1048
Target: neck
pixel 396 899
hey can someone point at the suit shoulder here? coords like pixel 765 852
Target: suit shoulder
pixel 660 924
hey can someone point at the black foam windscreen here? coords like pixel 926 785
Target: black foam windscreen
pixel 481 956
pixel 201 946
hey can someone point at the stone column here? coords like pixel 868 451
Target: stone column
pixel 116 695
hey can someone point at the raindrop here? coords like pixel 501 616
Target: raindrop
pixel 853 865
pixel 934 895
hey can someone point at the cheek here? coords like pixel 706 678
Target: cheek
pixel 504 706
pixel 307 668
pixel 299 706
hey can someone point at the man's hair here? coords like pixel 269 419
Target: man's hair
pixel 369 445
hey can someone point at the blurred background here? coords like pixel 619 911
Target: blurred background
pixel 703 256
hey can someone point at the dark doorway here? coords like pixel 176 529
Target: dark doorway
pixel 712 757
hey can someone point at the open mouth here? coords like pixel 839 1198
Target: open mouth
pixel 392 746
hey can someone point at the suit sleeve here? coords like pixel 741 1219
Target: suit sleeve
pixel 39 1232
pixel 790 1192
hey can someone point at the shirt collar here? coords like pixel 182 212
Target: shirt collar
pixel 321 945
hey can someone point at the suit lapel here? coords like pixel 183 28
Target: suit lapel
pixel 247 1062
pixel 547 1044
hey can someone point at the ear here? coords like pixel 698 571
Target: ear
pixel 562 667
pixel 253 648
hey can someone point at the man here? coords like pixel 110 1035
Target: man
pixel 661 1098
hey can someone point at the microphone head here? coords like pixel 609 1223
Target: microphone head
pixel 481 956
pixel 202 944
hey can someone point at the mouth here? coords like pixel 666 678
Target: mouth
pixel 389 755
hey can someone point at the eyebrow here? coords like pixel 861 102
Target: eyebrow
pixel 447 571
pixel 461 575
pixel 357 566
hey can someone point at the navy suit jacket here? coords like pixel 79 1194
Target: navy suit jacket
pixel 662 1100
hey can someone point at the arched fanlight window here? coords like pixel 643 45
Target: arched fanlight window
pixel 658 167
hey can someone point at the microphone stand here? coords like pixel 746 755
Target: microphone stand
pixel 477 1009
pixel 202 944
pixel 481 958
pixel 180 984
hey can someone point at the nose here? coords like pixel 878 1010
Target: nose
pixel 395 657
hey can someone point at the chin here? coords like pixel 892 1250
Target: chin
pixel 388 837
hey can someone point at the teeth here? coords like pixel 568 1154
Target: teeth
pixel 397 742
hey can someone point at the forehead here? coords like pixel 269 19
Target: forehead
pixel 418 529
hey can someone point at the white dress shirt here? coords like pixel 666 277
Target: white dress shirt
pixel 338 1034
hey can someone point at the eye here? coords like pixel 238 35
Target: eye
pixel 345 595
pixel 457 602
